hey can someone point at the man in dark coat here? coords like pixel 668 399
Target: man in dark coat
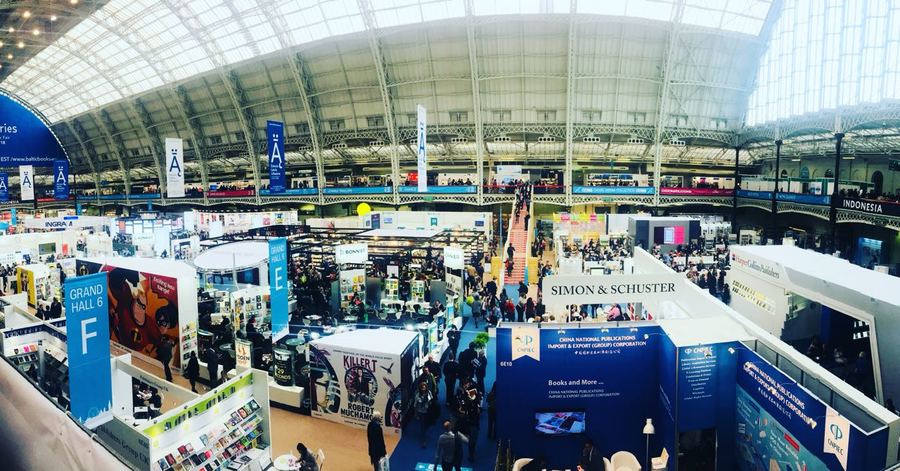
pixel 193 370
pixel 164 355
pixel 466 368
pixel 377 450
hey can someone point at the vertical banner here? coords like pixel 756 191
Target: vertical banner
pixel 174 168
pixel 26 181
pixel 278 289
pixel 87 329
pixel 422 158
pixel 243 354
pixel 61 179
pixel 837 436
pixel 4 187
pixel 275 136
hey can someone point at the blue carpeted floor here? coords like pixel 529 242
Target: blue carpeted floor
pixel 409 451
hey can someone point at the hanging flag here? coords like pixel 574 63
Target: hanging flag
pixel 61 179
pixel 422 158
pixel 174 168
pixel 275 134
pixel 4 187
pixel 26 181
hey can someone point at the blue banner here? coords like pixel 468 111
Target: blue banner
pixel 13 220
pixel 61 179
pixel 612 190
pixel 291 191
pixel 24 138
pixel 464 189
pixel 275 136
pixel 87 329
pixel 756 195
pixel 278 288
pixel 804 198
pixel 359 190
pixel 78 209
pixel 4 187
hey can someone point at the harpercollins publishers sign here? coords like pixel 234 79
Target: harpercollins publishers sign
pixel 755 265
pixel 351 253
pixel 602 289
pixel 870 206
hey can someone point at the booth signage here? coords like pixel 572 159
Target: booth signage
pixel 275 135
pixel 243 350
pixel 87 330
pixel 24 137
pixel 599 289
pixel 351 253
pixel 61 179
pixel 66 222
pixel 278 290
pixel 4 187
pixel 612 190
pixel 26 182
pixel 454 257
pixel 741 260
pixel 885 208
pixel 422 158
pixel 695 191
pixel 837 436
pixel 174 167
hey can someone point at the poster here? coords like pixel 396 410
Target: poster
pixel 278 285
pixel 61 179
pixel 275 135
pixel 143 309
pixel 174 168
pixel 26 182
pixel 87 331
pixel 4 187
pixel 243 354
pixel 422 157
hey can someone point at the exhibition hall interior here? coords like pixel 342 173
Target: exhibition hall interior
pixel 450 235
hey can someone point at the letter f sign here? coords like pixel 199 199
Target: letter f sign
pixel 85 335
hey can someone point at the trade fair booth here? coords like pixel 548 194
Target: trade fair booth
pixel 355 373
pixel 39 282
pixel 150 300
pixel 666 232
pixel 243 262
pixel 805 297
pixel 221 223
pixel 715 391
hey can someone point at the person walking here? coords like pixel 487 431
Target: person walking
pixel 450 449
pixel 469 414
pixel 164 355
pixel 377 450
pixel 453 337
pixel 466 369
pixel 492 413
pixel 480 367
pixel 451 371
pixel 422 408
pixel 193 370
pixel 212 366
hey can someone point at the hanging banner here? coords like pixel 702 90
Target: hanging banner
pixel 4 187
pixel 61 179
pixel 26 181
pixel 174 168
pixel 25 139
pixel 600 289
pixel 422 158
pixel 243 351
pixel 278 290
pixel 275 135
pixel 837 436
pixel 351 253
pixel 87 331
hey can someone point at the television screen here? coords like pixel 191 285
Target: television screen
pixel 559 423
pixel 669 235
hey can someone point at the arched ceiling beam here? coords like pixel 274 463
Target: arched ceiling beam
pixel 662 104
pixel 476 97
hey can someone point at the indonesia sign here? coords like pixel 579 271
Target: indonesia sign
pixel 602 289
pixel 885 208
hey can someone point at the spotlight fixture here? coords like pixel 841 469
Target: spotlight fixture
pixel 36 32
pixel 1 44
pixel 20 45
pixel 26 14
pixel 52 17
pixel 11 30
pixel 73 2
pixel 9 56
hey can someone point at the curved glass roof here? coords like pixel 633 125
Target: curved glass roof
pixel 132 46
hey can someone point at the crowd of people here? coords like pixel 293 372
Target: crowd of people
pixel 711 277
pixel 870 195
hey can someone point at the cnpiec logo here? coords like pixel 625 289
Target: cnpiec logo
pixel 837 436
pixel 525 342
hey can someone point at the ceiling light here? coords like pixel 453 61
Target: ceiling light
pixel 52 17
pixel 9 56
pixel 36 32
pixel 849 157
pixel 26 14
pixel 73 2
pixel 1 44
pixel 11 29
pixel 20 45
pixel 795 160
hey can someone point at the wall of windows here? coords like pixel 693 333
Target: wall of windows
pixel 826 54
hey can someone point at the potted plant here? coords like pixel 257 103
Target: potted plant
pixel 481 340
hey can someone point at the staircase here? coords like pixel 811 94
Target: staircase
pixel 518 238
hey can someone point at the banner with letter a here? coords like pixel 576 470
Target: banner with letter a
pixel 4 187
pixel 87 331
pixel 275 136
pixel 421 141
pixel 278 290
pixel 174 167
pixel 26 181
pixel 61 179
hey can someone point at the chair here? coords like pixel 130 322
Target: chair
pixel 660 462
pixel 607 465
pixel 625 461
pixel 320 459
pixel 519 463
